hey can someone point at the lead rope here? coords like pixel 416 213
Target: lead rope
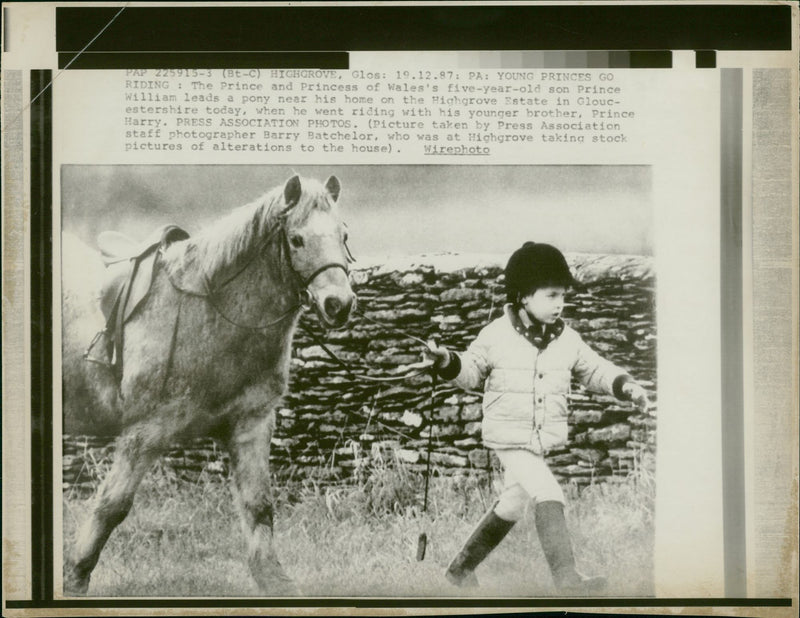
pixel 422 541
pixel 423 368
pixel 392 329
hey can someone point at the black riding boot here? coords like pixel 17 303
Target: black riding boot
pixel 554 537
pixel 487 535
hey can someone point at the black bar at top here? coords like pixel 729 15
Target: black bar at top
pixel 655 59
pixel 41 265
pixel 409 28
pixel 204 60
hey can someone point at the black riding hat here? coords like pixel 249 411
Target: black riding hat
pixel 535 265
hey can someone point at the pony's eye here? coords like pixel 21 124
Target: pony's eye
pixel 296 241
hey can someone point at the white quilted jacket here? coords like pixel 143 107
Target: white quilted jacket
pixel 525 390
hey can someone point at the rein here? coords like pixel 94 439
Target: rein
pixel 422 367
pixel 422 539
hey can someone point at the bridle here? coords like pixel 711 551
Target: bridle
pixel 305 297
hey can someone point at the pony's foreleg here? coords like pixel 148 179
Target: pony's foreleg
pixel 249 448
pixel 113 501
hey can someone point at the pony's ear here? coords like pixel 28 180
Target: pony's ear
pixel 333 187
pixel 292 191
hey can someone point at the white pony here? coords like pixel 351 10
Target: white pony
pixel 205 352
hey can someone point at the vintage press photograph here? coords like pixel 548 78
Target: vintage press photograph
pixel 358 380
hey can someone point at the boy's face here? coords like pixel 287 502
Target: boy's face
pixel 545 304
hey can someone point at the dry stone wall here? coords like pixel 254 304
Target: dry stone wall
pixel 333 425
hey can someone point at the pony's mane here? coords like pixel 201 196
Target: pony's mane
pixel 235 236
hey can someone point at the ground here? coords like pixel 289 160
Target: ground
pixel 183 539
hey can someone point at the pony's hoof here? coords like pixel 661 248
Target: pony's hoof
pixel 288 588
pixel 279 586
pixel 295 591
pixel 282 589
pixel 74 584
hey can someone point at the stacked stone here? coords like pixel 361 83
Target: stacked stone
pixel 85 459
pixel 338 419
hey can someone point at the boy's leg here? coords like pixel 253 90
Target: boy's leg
pixel 491 529
pixel 551 526
pixel 487 535
pixel 531 472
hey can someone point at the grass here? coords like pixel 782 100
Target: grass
pixel 183 539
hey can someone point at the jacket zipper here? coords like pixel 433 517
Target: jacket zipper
pixel 536 425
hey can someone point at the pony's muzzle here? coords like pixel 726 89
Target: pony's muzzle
pixel 337 309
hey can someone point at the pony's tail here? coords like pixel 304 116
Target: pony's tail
pixel 88 387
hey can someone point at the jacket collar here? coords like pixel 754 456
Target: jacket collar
pixel 538 334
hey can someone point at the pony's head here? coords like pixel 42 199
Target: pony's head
pixel 314 239
pixel 296 230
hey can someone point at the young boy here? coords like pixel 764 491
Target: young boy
pixel 525 361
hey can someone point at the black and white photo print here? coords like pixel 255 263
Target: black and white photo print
pixel 358 380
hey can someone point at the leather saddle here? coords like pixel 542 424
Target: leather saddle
pixel 128 278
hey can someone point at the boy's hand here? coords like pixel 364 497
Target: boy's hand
pixel 637 395
pixel 438 354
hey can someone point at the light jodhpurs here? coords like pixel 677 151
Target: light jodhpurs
pixel 526 477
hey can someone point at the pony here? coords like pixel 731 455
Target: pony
pixel 206 352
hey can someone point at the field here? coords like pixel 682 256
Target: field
pixel 183 539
